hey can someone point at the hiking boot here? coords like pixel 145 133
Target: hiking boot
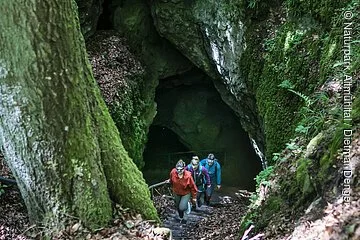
pixel 183 221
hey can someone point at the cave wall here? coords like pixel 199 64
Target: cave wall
pixel 203 121
pixel 89 13
pixel 247 52
pixel 211 35
pixel 133 20
pixel 249 49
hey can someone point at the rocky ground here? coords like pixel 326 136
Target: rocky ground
pixel 14 223
pixel 327 218
pixel 220 220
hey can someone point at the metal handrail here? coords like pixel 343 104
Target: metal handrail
pixel 158 184
pixel 152 187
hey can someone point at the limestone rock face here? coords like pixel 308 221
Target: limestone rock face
pixel 89 12
pixel 206 32
pixel 133 20
pixel 211 35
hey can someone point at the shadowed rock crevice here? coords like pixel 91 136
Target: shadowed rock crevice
pixel 190 107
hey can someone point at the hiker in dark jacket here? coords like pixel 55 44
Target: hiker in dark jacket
pixel 214 169
pixel 201 178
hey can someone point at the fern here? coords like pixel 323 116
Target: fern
pixel 286 84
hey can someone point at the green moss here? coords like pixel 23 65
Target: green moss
pixel 356 109
pixel 303 180
pixel 328 159
pixel 304 50
pixel 301 51
pixel 134 114
pixel 272 206
pixel 125 182
pixel 292 52
pixel 321 10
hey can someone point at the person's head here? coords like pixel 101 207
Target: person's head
pixel 195 162
pixel 211 159
pixel 180 166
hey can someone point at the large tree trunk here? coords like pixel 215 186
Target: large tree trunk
pixel 57 135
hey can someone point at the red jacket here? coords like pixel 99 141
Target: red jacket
pixel 184 185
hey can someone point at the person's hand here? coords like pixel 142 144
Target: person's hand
pixel 208 186
pixel 193 201
pixel 167 181
pixel 218 187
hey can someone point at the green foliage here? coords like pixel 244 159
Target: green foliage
pixel 322 10
pixel 253 3
pixel 292 146
pixel 313 115
pixel 263 176
pixel 276 157
pixel 302 176
pixel 329 157
pixel 130 114
pixel 286 84
pixel 300 56
pixel 247 220
pixel 302 129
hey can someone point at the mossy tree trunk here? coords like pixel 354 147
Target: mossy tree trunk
pixel 55 130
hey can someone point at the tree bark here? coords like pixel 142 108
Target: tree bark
pixel 55 130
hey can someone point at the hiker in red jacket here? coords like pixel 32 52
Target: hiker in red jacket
pixel 184 188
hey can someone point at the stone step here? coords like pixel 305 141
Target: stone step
pixel 179 230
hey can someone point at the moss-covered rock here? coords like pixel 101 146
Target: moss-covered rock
pixel 304 48
pixel 133 20
pixel 211 35
pixel 89 12
pixel 127 88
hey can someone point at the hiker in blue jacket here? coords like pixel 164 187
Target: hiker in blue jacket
pixel 214 170
pixel 201 178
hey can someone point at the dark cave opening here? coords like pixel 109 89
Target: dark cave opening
pixel 162 142
pixel 104 21
pixel 192 119
pixel 162 151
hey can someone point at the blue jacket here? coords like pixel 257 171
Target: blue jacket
pixel 214 171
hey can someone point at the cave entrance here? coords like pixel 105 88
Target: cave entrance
pixel 162 151
pixel 192 120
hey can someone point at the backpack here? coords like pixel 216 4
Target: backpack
pixel 200 177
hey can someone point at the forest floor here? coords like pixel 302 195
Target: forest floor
pixel 327 218
pixel 220 220
pixel 212 222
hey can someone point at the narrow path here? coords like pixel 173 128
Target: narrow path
pixel 220 221
pixel 180 230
